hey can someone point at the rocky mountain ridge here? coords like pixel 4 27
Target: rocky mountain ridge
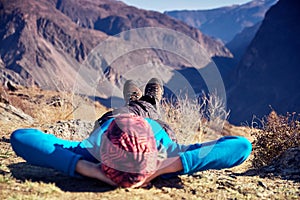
pixel 38 44
pixel 268 75
pixel 45 42
pixel 225 22
pixel 239 44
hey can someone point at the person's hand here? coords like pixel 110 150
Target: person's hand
pixel 92 170
pixel 169 165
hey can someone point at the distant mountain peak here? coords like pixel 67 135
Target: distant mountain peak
pixel 225 22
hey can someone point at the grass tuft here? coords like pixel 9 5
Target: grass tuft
pixel 191 118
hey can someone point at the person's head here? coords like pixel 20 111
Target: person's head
pixel 128 150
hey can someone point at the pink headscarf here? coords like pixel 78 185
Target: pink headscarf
pixel 128 150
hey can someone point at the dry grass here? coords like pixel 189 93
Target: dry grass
pixel 192 119
pixel 46 107
pixel 278 133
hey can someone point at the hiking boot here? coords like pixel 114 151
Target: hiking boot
pixel 131 91
pixel 154 89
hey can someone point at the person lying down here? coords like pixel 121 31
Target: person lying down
pixel 128 151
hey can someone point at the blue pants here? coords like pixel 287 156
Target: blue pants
pixel 46 150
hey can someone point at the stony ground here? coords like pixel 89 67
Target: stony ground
pixel 19 180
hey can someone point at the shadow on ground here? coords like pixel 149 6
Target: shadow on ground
pixel 24 171
pixel 174 182
pixel 271 172
pixel 286 166
pixel 5 140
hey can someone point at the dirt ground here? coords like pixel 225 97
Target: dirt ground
pixel 19 180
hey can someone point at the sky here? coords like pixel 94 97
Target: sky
pixel 167 5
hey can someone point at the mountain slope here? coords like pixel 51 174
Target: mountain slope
pixel 113 17
pixel 238 45
pixel 45 42
pixel 38 43
pixel 268 74
pixel 225 22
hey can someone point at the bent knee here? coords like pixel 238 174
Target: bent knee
pixel 239 149
pixel 240 145
pixel 16 136
pixel 20 135
pixel 244 146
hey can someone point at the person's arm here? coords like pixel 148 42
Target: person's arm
pixel 92 170
pixel 170 165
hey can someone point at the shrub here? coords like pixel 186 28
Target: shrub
pixel 278 133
